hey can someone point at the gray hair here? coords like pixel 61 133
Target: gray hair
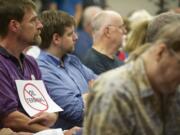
pixel 89 12
pixel 102 19
pixel 169 35
pixel 158 22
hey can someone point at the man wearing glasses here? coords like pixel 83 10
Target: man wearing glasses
pixel 108 32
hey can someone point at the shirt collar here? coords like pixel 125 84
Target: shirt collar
pixel 145 88
pixel 53 59
pixel 6 54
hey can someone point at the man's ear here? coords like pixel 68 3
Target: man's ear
pixel 14 25
pixel 56 39
pixel 106 32
pixel 160 50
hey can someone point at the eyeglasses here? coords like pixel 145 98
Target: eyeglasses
pixel 175 54
pixel 122 27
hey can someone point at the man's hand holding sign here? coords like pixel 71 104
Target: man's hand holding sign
pixel 36 102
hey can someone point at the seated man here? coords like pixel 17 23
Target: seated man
pixel 108 31
pixel 20 28
pixel 143 96
pixel 64 75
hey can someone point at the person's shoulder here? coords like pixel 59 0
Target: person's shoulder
pixel 43 59
pixel 30 59
pixel 2 60
pixel 31 63
pixel 91 55
pixel 110 85
pixel 118 77
pixel 74 58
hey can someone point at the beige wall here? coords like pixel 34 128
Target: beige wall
pixel 126 6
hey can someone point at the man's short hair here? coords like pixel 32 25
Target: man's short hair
pixel 158 22
pixel 13 10
pixel 54 22
pixel 103 18
pixel 169 35
pixel 89 12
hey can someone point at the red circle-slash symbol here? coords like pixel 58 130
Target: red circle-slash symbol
pixel 34 98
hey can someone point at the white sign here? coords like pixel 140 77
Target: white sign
pixel 34 97
pixel 57 131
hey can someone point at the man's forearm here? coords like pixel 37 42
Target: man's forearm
pixel 17 121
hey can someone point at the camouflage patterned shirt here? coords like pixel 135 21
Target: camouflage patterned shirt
pixel 122 102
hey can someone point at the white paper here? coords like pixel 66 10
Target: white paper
pixel 50 132
pixel 34 97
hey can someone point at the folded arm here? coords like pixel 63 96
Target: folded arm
pixel 18 121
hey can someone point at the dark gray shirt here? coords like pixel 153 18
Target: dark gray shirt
pixel 100 63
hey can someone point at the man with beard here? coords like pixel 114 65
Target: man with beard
pixel 65 76
pixel 20 28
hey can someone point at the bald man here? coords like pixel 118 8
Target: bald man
pixel 108 32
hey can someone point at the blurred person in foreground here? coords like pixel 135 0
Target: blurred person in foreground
pixel 141 97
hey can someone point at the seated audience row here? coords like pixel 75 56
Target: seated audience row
pixel 121 100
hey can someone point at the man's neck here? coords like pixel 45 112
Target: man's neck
pixel 12 48
pixel 104 50
pixel 55 52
